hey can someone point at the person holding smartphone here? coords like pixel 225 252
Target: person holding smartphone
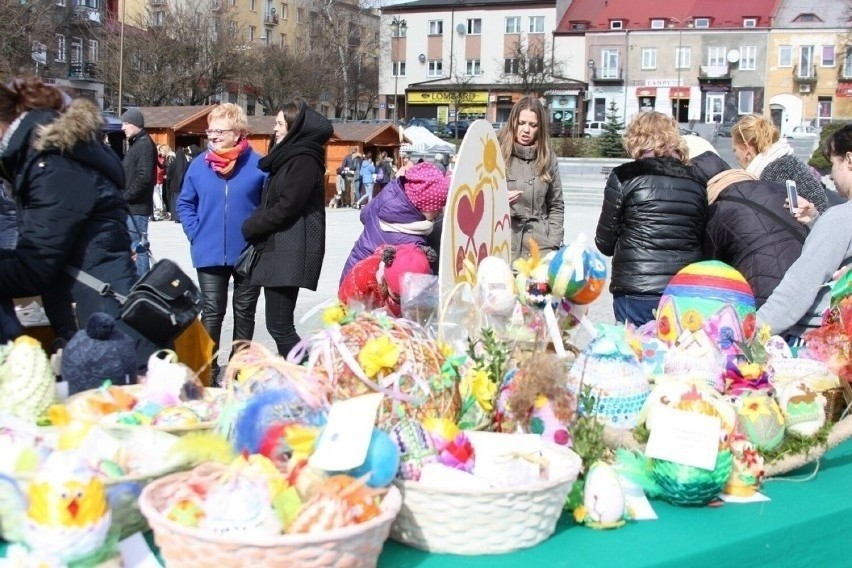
pixel 797 304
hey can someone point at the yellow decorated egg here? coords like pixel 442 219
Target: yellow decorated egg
pixel 176 416
pixel 760 420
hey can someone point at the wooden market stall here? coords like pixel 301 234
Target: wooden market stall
pixel 260 133
pixel 177 126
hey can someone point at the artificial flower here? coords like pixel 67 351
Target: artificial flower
pixel 333 314
pixel 580 514
pixel 378 354
pixel 476 384
pixel 763 334
pixel 752 410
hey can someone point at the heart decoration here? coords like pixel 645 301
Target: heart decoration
pixel 470 214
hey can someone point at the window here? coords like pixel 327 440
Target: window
pixel 828 56
pixel 649 58
pixel 251 33
pixel 76 50
pixel 806 18
pixel 749 22
pixel 233 2
pixel 658 24
pixel 578 26
pixel 158 18
pixel 748 58
pixel 513 25
pixel 398 69
pixel 745 102
pixel 510 66
pixel 436 27
pixel 473 67
pixel 683 57
pixel 399 30
pixel 785 56
pixel 716 56
pixel 250 105
pixel 232 28
pixel 285 8
pixel 847 63
pixel 283 40
pixel 536 65
pixel 474 26
pixel 266 38
pixel 94 51
pixel 616 24
pixel 536 25
pixel 806 61
pixel 609 64
pixel 436 68
pixel 300 15
pixel 60 2
pixel 197 20
pixel 251 5
pixel 702 22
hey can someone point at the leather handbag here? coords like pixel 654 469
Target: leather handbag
pixel 160 306
pixel 246 261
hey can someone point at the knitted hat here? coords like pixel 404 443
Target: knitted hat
pixel 403 259
pixel 426 187
pixel 133 116
pixel 361 284
pixel 98 353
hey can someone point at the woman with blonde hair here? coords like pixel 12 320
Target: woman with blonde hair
pixel 762 152
pixel 653 216
pixel 532 174
pixel 221 188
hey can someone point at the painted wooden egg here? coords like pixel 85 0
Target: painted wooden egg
pixel 760 420
pixel 803 408
pixel 603 495
pixel 495 285
pixel 415 448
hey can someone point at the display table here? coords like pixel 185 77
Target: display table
pixel 805 524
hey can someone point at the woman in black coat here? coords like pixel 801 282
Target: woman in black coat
pixel 289 225
pixel 748 226
pixel 67 185
pixel 653 217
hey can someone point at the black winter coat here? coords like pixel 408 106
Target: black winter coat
pixel 759 237
pixel 140 169
pixel 67 185
pixel 652 223
pixel 289 225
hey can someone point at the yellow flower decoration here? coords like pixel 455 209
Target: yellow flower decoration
pixel 378 354
pixel 750 370
pixel 301 440
pixel 580 514
pixel 752 410
pixel 763 334
pixel 476 384
pixel 445 349
pixel 444 428
pixel 691 320
pixel 261 467
pixel 333 314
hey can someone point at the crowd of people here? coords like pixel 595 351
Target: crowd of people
pixel 72 202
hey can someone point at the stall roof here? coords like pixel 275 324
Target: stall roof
pixel 174 117
pixel 261 125
pixel 368 133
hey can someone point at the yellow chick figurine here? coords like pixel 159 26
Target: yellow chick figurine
pixel 68 517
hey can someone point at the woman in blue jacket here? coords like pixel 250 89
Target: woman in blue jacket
pixel 368 179
pixel 220 190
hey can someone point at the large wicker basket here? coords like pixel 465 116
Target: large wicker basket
pixel 490 521
pixel 355 546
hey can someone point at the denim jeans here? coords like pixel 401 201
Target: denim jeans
pixel 143 259
pixel 637 309
pixel 368 193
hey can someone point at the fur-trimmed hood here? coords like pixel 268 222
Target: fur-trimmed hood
pixel 656 166
pixel 74 133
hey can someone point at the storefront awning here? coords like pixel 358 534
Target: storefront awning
pixel 646 91
pixel 844 90
pixel 678 92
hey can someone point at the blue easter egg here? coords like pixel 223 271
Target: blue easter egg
pixel 382 460
pixel 564 277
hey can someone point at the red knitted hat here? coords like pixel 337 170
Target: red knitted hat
pixel 426 187
pixel 361 284
pixel 407 258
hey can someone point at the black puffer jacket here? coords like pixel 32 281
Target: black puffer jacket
pixel 289 225
pixel 652 223
pixel 67 185
pixel 748 226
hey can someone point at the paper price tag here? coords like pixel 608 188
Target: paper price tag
pixel 346 437
pixel 683 437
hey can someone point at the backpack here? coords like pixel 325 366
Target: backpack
pixel 380 174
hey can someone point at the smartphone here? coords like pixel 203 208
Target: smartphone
pixel 792 196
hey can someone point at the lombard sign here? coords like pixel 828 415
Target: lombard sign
pixel 446 98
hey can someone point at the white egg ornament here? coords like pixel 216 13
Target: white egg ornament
pixel 604 503
pixel 803 408
pixel 240 506
pixel 495 286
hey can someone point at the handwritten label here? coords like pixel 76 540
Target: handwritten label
pixel 683 437
pixel 346 437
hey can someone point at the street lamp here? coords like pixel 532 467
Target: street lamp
pixel 678 56
pixel 398 26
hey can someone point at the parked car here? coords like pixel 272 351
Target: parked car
pixel 430 124
pixel 802 133
pixel 497 126
pixel 687 132
pixel 456 128
pixel 597 128
pixel 725 127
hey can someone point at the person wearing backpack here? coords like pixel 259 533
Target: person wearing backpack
pixel 384 172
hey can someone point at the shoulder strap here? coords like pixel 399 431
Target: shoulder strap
pixel 767 212
pixel 98 286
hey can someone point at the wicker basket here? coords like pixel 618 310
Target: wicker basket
pixel 490 521
pixel 354 546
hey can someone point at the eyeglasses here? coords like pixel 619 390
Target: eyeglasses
pixel 217 132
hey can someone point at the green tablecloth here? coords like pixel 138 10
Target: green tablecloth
pixel 806 523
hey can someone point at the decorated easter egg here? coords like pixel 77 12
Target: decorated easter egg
pixel 176 416
pixel 187 512
pixel 759 419
pixel 495 285
pixel 566 273
pixel 458 453
pixel 748 468
pixel 712 296
pixel 240 505
pixel 534 290
pixel 382 461
pixel 546 424
pixel 415 448
pixel 603 497
pixel 803 408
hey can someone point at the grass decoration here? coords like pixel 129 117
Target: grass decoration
pixel 791 445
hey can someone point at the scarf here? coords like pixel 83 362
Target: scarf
pixel 778 150
pixel 722 180
pixel 224 161
pixel 421 228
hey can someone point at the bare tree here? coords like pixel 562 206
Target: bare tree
pixel 459 91
pixel 529 67
pixel 280 74
pixel 29 30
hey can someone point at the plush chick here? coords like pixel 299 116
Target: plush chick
pixel 68 516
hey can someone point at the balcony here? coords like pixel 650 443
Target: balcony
pixel 86 15
pixel 157 2
pixel 807 75
pixel 608 76
pixel 714 72
pixel 271 18
pixel 218 5
pixel 844 73
pixel 81 71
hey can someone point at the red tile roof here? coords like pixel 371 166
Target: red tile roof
pixel 638 15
